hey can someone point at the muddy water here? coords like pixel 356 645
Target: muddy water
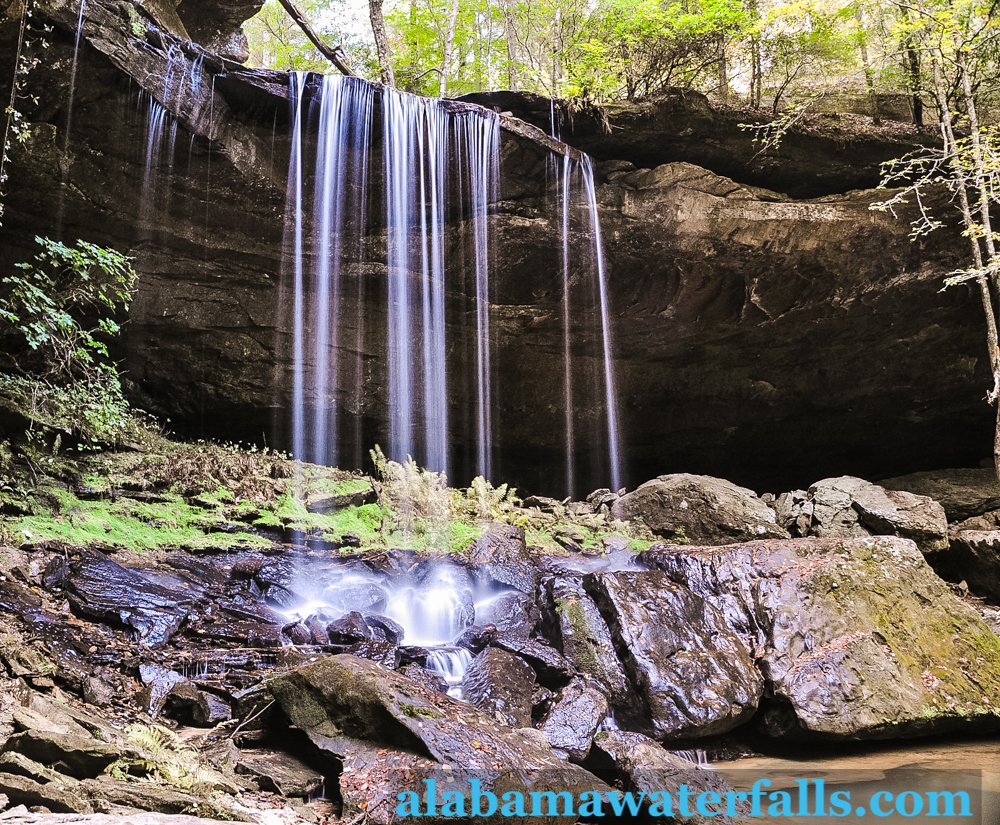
pixel 923 767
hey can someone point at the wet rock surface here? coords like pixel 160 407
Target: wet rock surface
pixel 806 638
pixel 102 589
pixel 502 685
pixel 855 637
pixel 694 673
pixel 574 718
pixel 586 640
pixel 647 767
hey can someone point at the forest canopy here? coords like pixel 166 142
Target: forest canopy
pixel 772 53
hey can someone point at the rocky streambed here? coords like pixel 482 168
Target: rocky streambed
pixel 310 676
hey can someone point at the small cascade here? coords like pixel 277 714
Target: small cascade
pixel 434 605
pixel 161 145
pixel 435 611
pixel 450 663
pixel 695 757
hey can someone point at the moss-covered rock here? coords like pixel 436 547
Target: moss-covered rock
pixel 858 638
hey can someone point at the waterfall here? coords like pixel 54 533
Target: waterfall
pixel 161 144
pixel 422 141
pixel 610 389
pixel 570 440
pixel 293 207
pixel 579 193
pixel 430 211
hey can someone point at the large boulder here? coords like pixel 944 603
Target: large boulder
pixel 857 638
pixel 846 506
pixel 698 508
pixel 645 767
pixel 342 697
pixel 963 493
pixel 693 672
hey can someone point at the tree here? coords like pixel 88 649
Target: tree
pixel 959 41
pixel 381 43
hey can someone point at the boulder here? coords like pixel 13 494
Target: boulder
pixel 343 696
pixel 501 684
pixel 551 666
pixel 687 507
pixel 846 506
pixel 348 629
pixel 513 614
pixel 574 718
pixel 381 651
pixel 147 796
pixel 102 589
pixel 645 767
pixel 21 790
pixel 962 493
pixel 693 672
pixel 585 638
pixel 857 638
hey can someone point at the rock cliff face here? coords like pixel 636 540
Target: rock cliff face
pixel 760 337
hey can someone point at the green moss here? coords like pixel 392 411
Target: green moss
pixel 128 524
pixel 415 713
pixel 583 643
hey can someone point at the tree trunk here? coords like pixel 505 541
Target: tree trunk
pixel 756 62
pixel 449 45
pixel 866 67
pixel 510 35
pixel 913 79
pixel 951 147
pixel 334 54
pixel 722 66
pixel 381 43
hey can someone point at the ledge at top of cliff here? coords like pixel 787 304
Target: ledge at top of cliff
pixel 822 154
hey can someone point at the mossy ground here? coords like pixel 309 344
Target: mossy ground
pixel 162 494
pixel 146 492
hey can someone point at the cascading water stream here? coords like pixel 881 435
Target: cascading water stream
pixel 438 181
pixel 610 388
pixel 570 441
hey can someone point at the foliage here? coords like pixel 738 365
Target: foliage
pixel 488 502
pixel 63 305
pixel 26 58
pixel 960 41
pixel 277 43
pixel 764 52
pixel 419 499
pixel 163 756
